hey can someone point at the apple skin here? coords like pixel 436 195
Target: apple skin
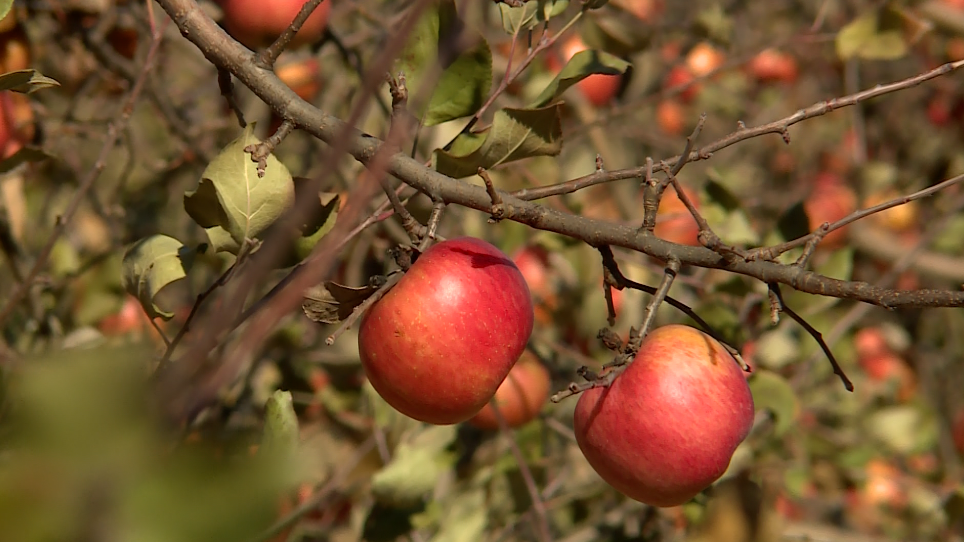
pixel 772 65
pixel 440 343
pixel 256 23
pixel 674 222
pixel 520 397
pixel 671 117
pixel 667 427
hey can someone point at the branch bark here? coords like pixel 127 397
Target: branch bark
pixel 227 54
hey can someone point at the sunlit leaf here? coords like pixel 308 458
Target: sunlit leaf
pixel 231 195
pixel 514 134
pixel 581 65
pixel 877 35
pixel 150 265
pixel 416 466
pixel 464 82
pixel 527 16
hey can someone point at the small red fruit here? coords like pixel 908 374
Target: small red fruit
pixel 667 427
pixel 519 398
pixel 671 117
pixel 771 65
pixel 679 76
pixel 830 201
pixel 704 59
pixel 599 89
pixel 256 23
pixel 674 222
pixel 440 343
pixel 302 76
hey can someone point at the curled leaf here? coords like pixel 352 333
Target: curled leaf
pixel 150 265
pixel 331 302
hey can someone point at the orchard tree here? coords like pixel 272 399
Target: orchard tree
pixel 481 270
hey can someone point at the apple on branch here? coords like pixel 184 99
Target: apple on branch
pixel 520 397
pixel 667 426
pixel 442 340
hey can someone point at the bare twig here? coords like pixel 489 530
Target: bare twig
pixel 817 336
pixel 672 269
pixel 742 134
pixel 433 221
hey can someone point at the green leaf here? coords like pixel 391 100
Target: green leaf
pixel 877 35
pixel 25 154
pixel 514 134
pixel 465 518
pixel 5 7
pixel 151 264
pixel 26 81
pixel 415 467
pixel 280 425
pixel 465 80
pixel 581 65
pixel 772 392
pixel 532 13
pixel 321 222
pixel 904 429
pixel 231 195
pixel 733 227
pixel 221 240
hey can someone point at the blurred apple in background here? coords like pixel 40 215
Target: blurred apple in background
pixel 671 117
pixel 830 201
pixel 704 59
pixel 301 76
pixel 257 23
pixel 674 222
pixel 520 397
pixel 772 65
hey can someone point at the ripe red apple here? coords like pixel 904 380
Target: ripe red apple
pixel 830 201
pixel 704 59
pixel 896 219
pixel 256 23
pixel 771 65
pixel 674 222
pixel 666 428
pixel 440 343
pixel 599 89
pixel 520 397
pixel 671 117
pixel 679 76
pixel 14 50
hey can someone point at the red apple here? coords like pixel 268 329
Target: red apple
pixel 256 23
pixel 533 263
pixel 671 117
pixel 898 219
pixel 520 397
pixel 955 4
pixel 704 59
pixel 644 10
pixel 666 428
pixel 599 89
pixel 14 50
pixel 679 76
pixel 830 201
pixel 771 65
pixel 440 343
pixel 674 222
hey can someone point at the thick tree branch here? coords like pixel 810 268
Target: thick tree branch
pixel 225 53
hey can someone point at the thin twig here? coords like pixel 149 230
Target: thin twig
pixel 817 336
pixel 669 275
pixel 742 134
pixel 433 221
